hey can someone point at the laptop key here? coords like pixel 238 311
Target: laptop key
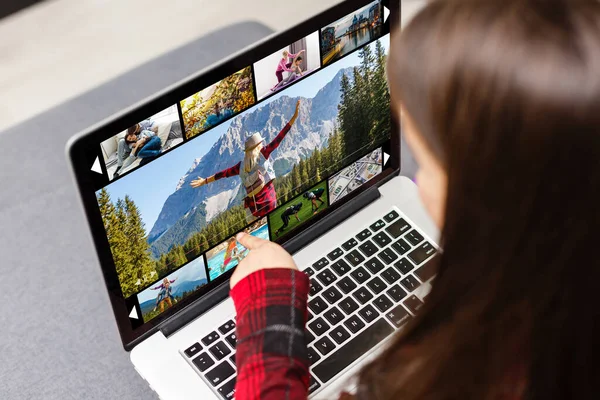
pixel 220 373
pixel 326 277
pixel 231 339
pixel 309 336
pixel 309 271
pixel 368 248
pixel 390 275
pixel 360 275
pixel 339 334
pixel 422 253
pixel 335 254
pixel 319 326
pixel 401 246
pixel 317 305
pixel 227 391
pixel 362 295
pixel 377 225
pixel 334 316
pixel 332 295
pixel 315 287
pixel 392 215
pixel 313 356
pixel 363 235
pixel 232 359
pixel 374 265
pixel 349 244
pixel 354 324
pixel 404 266
pixel 383 303
pixel 427 271
pixel 398 228
pixel 340 267
pixel 388 256
pixel 352 350
pixel 396 293
pixel 414 237
pixel 346 285
pixel 227 327
pixel 413 303
pixel 220 351
pixel 410 283
pixel 203 362
pixel 193 350
pixel 313 385
pixel 210 338
pixel 348 305
pixel 382 239
pixel 368 313
pixel 376 285
pixel 354 258
pixel 398 316
pixel 324 345
pixel 322 263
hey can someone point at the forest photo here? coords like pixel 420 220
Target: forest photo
pixel 217 102
pixel 174 209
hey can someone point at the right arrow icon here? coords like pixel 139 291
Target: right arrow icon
pixel 386 157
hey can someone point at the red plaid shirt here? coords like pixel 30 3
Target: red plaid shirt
pixel 271 353
pixel 265 201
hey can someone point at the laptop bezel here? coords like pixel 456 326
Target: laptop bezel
pixel 79 147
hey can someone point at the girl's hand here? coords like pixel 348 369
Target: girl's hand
pixel 198 182
pixel 263 255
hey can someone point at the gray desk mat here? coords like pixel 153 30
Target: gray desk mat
pixel 58 339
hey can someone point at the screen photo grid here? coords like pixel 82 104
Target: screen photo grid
pixel 265 151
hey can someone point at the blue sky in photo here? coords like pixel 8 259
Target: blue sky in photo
pixel 151 185
pixel 342 24
pixel 193 271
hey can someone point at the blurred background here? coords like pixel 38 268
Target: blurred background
pixel 54 50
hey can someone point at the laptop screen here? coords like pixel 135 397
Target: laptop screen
pixel 268 149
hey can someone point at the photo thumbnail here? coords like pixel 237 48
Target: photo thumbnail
pixel 298 211
pixel 194 197
pixel 228 254
pixel 351 32
pixel 142 142
pixel 355 175
pixel 173 288
pixel 288 65
pixel 217 102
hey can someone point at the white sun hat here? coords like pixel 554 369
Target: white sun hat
pixel 254 141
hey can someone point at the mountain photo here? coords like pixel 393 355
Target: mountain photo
pixel 343 113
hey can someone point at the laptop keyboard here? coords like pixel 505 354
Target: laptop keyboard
pixel 360 293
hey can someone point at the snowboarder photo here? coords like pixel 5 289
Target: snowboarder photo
pixel 165 294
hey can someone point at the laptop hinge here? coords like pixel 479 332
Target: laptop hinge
pixel 332 220
pixel 194 310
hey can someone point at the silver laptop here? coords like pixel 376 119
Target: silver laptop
pixel 297 137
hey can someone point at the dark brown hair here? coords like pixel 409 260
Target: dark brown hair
pixel 132 131
pixel 506 94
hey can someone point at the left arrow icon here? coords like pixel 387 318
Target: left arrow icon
pixel 133 314
pixel 96 166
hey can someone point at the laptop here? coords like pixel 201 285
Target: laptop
pixel 292 141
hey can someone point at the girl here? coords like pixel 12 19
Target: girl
pixel 164 294
pixel 256 172
pixel 285 65
pixel 500 104
pixel 295 74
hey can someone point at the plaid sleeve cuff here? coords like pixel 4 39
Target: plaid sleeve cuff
pixel 271 352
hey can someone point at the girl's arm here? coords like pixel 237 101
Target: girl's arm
pixel 231 171
pixel 268 149
pixel 271 353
